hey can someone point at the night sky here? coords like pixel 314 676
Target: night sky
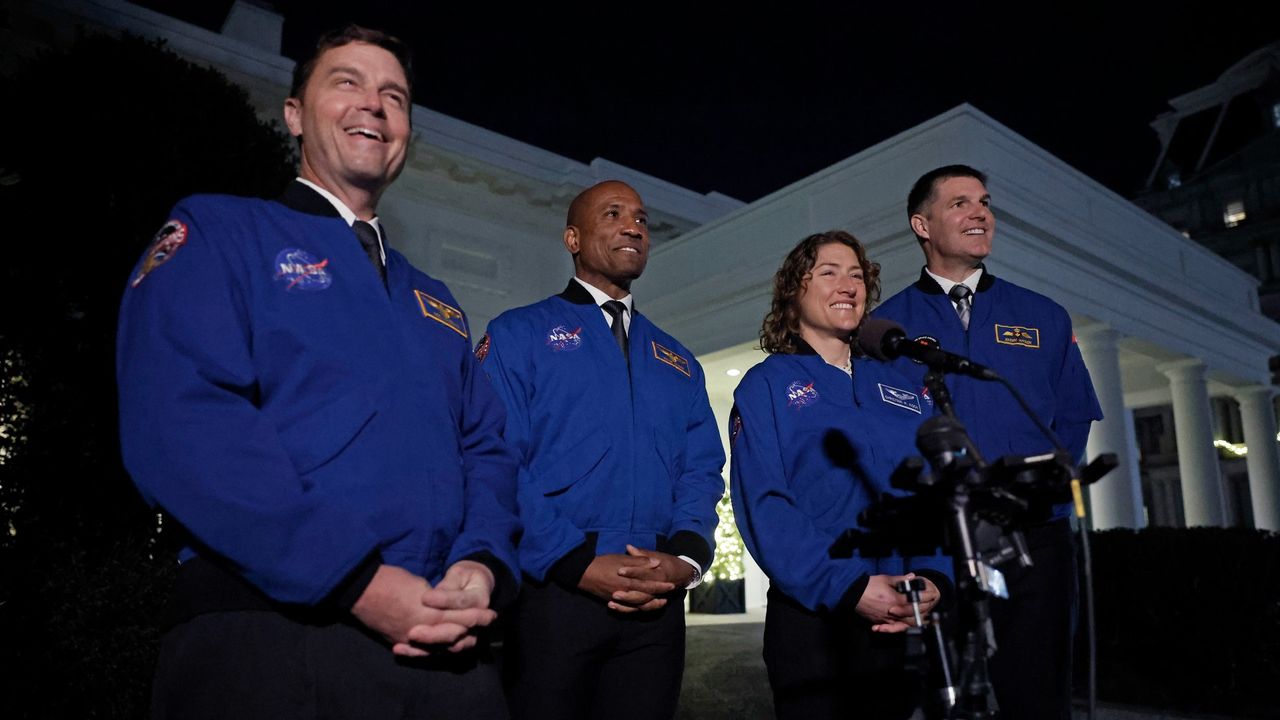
pixel 747 103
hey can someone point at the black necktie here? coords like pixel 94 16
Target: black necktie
pixel 960 294
pixel 615 308
pixel 369 241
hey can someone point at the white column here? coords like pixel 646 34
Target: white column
pixel 1197 459
pixel 1258 416
pixel 1116 499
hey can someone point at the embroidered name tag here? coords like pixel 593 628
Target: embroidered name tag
pixel 904 399
pixel 671 358
pixel 442 312
pixel 1018 335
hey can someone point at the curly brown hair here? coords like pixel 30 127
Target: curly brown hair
pixel 782 325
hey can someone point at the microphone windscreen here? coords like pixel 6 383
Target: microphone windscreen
pixel 871 334
pixel 940 436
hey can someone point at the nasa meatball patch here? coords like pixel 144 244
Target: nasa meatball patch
pixel 300 271
pixel 801 394
pixel 560 338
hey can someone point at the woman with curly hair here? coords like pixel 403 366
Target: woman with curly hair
pixel 816 431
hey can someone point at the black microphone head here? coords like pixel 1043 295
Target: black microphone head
pixel 941 439
pixel 872 334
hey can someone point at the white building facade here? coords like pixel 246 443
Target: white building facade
pixel 1159 318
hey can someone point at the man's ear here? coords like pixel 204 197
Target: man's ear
pixel 293 116
pixel 571 240
pixel 920 226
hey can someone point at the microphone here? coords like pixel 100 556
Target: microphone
pixel 942 441
pixel 887 340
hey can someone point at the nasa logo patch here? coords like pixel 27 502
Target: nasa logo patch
pixel 801 394
pixel 561 338
pixel 171 237
pixel 300 271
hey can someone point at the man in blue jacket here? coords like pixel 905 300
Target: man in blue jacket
pixel 1027 338
pixel 304 406
pixel 620 465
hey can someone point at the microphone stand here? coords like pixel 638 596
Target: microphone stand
pixel 953 453
pixel 975 580
pixel 936 382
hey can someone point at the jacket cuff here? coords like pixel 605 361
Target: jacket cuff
pixel 347 592
pixel 691 545
pixel 568 570
pixel 505 586
pixel 849 601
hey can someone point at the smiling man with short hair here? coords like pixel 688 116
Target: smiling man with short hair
pixel 303 404
pixel 620 474
pixel 1027 338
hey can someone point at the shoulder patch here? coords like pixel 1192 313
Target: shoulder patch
pixel 482 348
pixel 442 312
pixel 801 394
pixel 560 338
pixel 671 357
pixel 171 237
pixel 904 399
pixel 735 426
pixel 298 270
pixel 1018 335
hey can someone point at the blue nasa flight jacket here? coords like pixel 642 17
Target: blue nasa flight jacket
pixel 296 418
pixel 810 449
pixel 604 456
pixel 1024 336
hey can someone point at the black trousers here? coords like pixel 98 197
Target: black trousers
pixel 261 664
pixel 567 656
pixel 1031 670
pixel 825 665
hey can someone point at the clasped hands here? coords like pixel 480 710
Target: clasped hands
pixel 418 619
pixel 633 582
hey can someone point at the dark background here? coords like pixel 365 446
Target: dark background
pixel 745 101
pixel 103 137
